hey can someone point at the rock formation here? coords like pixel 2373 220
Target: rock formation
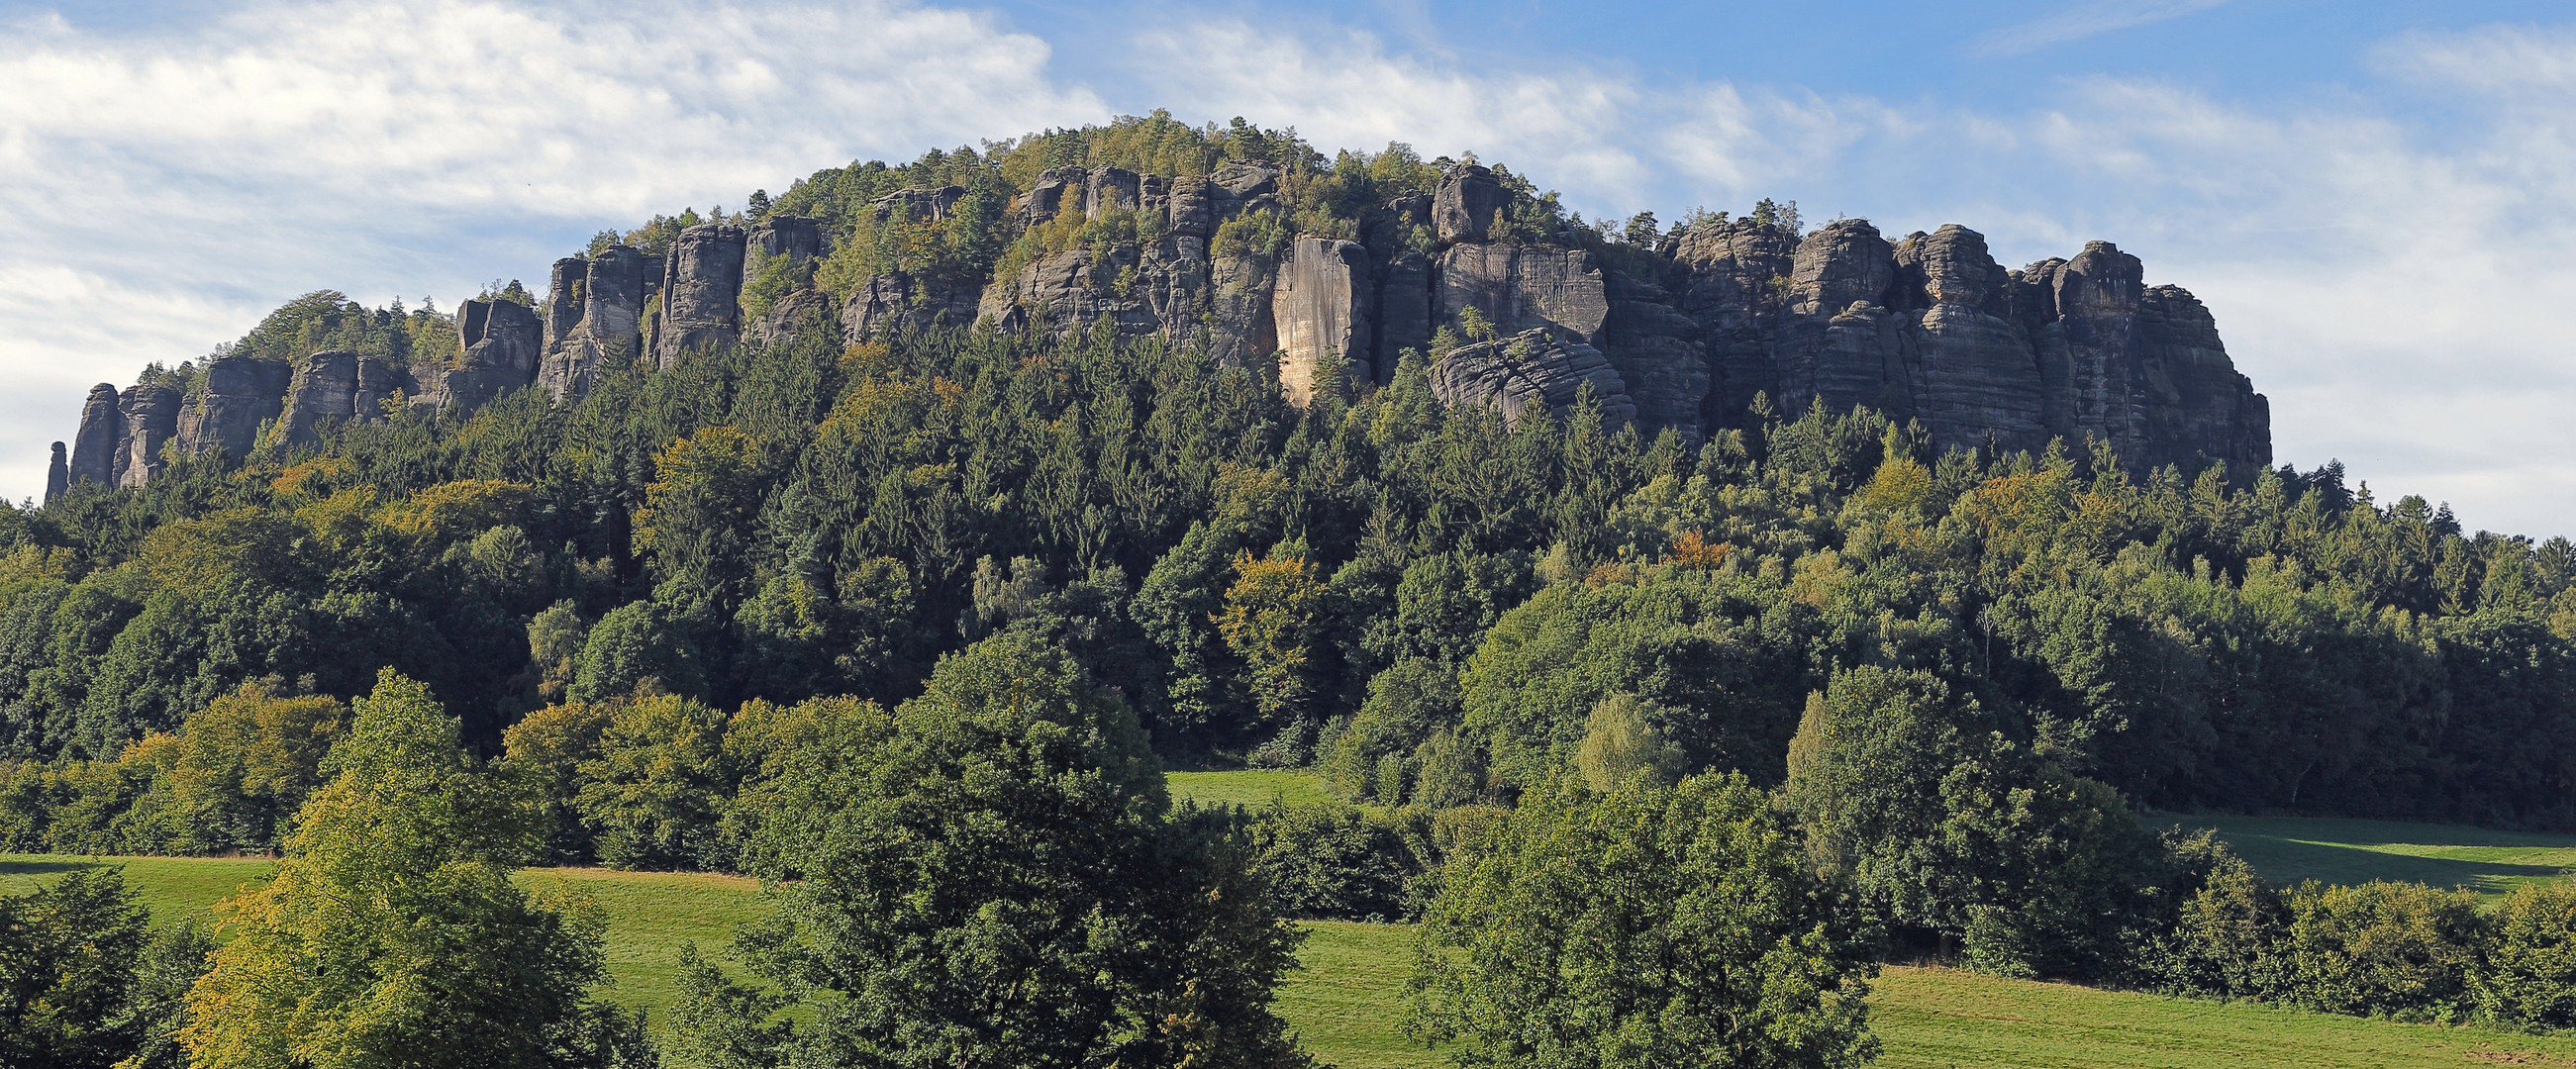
pixel 1679 337
pixel 1321 307
pixel 58 476
pixel 151 420
pixel 334 386
pixel 239 396
pixel 102 434
pixel 500 344
pixel 614 287
pixel 1534 368
pixel 701 292
pixel 888 305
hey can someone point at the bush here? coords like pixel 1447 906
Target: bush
pixel 2530 978
pixel 1331 861
pixel 1653 926
pixel 2385 949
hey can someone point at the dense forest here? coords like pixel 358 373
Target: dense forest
pixel 1951 675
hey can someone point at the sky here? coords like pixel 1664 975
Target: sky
pixel 2374 198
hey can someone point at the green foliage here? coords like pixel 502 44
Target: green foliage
pixel 1332 861
pixel 991 878
pixel 2530 975
pixel 69 955
pixel 1652 926
pixel 1619 742
pixel 1943 824
pixel 391 934
pixel 653 795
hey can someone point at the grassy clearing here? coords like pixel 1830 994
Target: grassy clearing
pixel 2291 849
pixel 171 887
pixel 1247 788
pixel 651 915
pixel 1348 1003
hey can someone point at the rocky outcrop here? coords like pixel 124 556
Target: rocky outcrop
pixel 1520 287
pixel 701 292
pixel 614 288
pixel 58 476
pixel 1321 306
pixel 915 205
pixel 1932 329
pixel 1404 311
pixel 1656 351
pixel 564 301
pixel 225 414
pixel 1466 204
pixel 888 305
pixel 1682 335
pixel 151 420
pixel 1735 277
pixel 324 391
pixel 794 237
pixel 1533 369
pixel 102 432
pixel 792 313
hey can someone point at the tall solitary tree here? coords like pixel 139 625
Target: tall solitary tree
pixel 1652 926
pixel 990 877
pixel 392 934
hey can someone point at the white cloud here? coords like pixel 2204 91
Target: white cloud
pixel 169 188
pixel 2081 21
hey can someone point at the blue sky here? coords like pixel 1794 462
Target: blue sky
pixel 2376 199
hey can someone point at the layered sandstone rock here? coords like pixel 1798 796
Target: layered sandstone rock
pixel 102 431
pixel 1321 306
pixel 888 305
pixel 239 396
pixel 1520 287
pixel 612 293
pixel 58 476
pixel 1683 335
pixel 701 292
pixel 151 420
pixel 1535 369
pixel 324 391
pixel 1466 204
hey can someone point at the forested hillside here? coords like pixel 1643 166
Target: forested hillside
pixel 1819 597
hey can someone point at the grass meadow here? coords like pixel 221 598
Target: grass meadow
pixel 1348 1002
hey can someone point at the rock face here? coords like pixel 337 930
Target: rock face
pixel 324 391
pixel 1321 307
pixel 1464 208
pixel 500 345
pixel 151 420
pixel 102 431
pixel 240 394
pixel 790 314
pixel 701 292
pixel 1519 287
pixel 58 476
pixel 1533 369
pixel 1932 329
pixel 611 295
pixel 889 305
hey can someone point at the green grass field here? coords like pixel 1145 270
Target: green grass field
pixel 2290 849
pixel 1244 788
pixel 1348 1004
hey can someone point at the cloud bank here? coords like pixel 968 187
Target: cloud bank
pixel 2397 288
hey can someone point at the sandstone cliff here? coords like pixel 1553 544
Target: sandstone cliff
pixel 1681 335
